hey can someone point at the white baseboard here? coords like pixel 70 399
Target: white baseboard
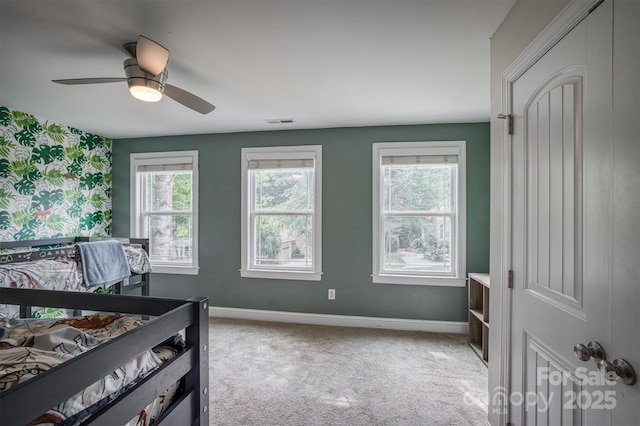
pixel 340 320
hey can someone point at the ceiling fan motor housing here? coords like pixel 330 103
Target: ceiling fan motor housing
pixel 137 77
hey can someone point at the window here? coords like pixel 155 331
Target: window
pixel 164 208
pixel 281 210
pixel 418 213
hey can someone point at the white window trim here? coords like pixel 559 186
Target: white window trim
pixel 167 157
pixel 381 149
pixel 282 152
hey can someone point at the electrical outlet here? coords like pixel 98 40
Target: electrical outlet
pixel 332 294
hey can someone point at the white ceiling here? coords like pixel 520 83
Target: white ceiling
pixel 324 63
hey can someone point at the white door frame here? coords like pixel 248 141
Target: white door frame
pixel 561 25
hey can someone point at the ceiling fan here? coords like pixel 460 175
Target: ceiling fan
pixel 146 75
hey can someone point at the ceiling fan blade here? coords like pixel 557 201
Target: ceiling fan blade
pixel 71 81
pixel 188 99
pixel 151 56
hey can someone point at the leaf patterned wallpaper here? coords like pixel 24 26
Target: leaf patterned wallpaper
pixel 55 180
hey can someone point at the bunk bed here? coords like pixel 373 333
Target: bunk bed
pixel 187 371
pixel 57 264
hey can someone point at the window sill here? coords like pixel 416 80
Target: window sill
pixel 416 280
pixel 177 270
pixel 281 275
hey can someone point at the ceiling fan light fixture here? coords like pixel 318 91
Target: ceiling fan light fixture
pixel 145 93
pixel 147 79
pixel 142 85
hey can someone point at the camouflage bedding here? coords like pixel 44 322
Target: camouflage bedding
pixel 31 346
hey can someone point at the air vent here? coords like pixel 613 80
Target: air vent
pixel 280 121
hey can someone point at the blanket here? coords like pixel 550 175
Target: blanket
pixel 103 263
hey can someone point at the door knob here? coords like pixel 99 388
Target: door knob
pixel 619 369
pixel 592 350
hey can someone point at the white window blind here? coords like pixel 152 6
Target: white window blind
pixel 270 164
pixel 406 160
pixel 142 168
pixel 154 164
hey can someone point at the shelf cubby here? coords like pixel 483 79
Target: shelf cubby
pixel 479 315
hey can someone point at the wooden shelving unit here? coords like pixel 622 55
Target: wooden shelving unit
pixel 479 315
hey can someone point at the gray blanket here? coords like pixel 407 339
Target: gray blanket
pixel 103 263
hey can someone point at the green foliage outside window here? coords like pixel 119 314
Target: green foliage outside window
pixel 416 201
pixel 289 190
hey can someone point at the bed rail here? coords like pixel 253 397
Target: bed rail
pixel 43 392
pixel 63 248
pixel 55 247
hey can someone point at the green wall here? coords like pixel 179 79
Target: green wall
pixel 347 222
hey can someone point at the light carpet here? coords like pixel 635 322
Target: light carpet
pixel 264 373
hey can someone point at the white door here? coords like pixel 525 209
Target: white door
pixel 570 243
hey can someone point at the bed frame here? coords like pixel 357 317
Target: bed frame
pixel 22 402
pixel 55 247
